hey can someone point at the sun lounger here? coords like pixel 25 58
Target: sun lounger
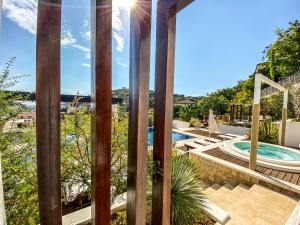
pixel 233 135
pixel 202 142
pixel 225 137
pixel 211 140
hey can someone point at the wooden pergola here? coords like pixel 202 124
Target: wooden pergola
pixel 259 79
pixel 237 111
pixel 48 109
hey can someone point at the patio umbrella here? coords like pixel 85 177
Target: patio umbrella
pixel 212 124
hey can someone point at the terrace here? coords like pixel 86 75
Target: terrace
pixel 237 190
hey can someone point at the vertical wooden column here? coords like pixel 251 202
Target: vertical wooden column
pixel 164 82
pixel 101 109
pixel 250 113
pixel 241 112
pixel 254 136
pixel 255 122
pixel 48 110
pixel 140 36
pixel 284 118
pixel 233 112
pixel 283 126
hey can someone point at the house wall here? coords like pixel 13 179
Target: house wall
pixel 292 137
pixel 177 124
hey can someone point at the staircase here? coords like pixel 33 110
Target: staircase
pixel 256 205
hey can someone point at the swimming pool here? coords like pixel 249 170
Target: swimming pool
pixel 269 155
pixel 175 136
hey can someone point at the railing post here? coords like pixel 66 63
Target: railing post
pixel 140 36
pixel 101 110
pixel 48 110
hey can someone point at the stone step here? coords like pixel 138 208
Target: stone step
pixel 261 206
pixel 240 190
pixel 211 189
pixel 204 185
pixel 255 205
pixel 225 197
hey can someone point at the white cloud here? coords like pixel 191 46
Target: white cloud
pixel 119 40
pixel 117 26
pixel 86 65
pixel 67 38
pixel 22 12
pixel 86 31
pixel 120 63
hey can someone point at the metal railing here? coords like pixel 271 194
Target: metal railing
pixel 286 82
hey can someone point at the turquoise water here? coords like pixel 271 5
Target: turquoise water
pixel 175 136
pixel 270 151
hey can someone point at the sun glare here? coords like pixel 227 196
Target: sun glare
pixel 125 3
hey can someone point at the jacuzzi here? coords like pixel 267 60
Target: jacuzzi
pixel 268 155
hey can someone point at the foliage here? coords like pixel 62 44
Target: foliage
pixel 283 58
pixel 18 156
pixel 295 100
pixel 176 111
pixel 268 132
pixel 186 196
pixel 76 162
pixel 218 103
pixel 272 106
pixel 185 113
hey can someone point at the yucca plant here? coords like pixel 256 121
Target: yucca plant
pixel 186 196
pixel 268 132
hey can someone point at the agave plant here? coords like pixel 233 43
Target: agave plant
pixel 186 196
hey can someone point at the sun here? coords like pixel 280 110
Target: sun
pixel 127 4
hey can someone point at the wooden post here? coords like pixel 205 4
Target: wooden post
pixel 284 118
pixel 241 112
pixel 101 110
pixel 250 113
pixel 233 112
pixel 254 136
pixel 163 108
pixel 283 126
pixel 140 36
pixel 48 110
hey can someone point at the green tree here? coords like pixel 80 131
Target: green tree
pixel 219 104
pixel 17 148
pixel 283 56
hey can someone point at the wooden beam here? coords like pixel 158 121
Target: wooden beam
pixel 48 110
pixel 140 36
pixel 101 110
pixel 176 5
pixel 163 108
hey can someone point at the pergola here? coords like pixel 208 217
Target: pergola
pixel 48 109
pixel 259 79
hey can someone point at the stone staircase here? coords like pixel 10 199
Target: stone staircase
pixel 256 205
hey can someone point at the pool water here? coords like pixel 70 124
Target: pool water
pixel 270 151
pixel 175 136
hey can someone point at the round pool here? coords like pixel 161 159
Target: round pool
pixel 268 155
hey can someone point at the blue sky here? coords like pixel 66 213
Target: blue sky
pixel 218 42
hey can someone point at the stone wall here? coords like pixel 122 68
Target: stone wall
pixel 212 172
